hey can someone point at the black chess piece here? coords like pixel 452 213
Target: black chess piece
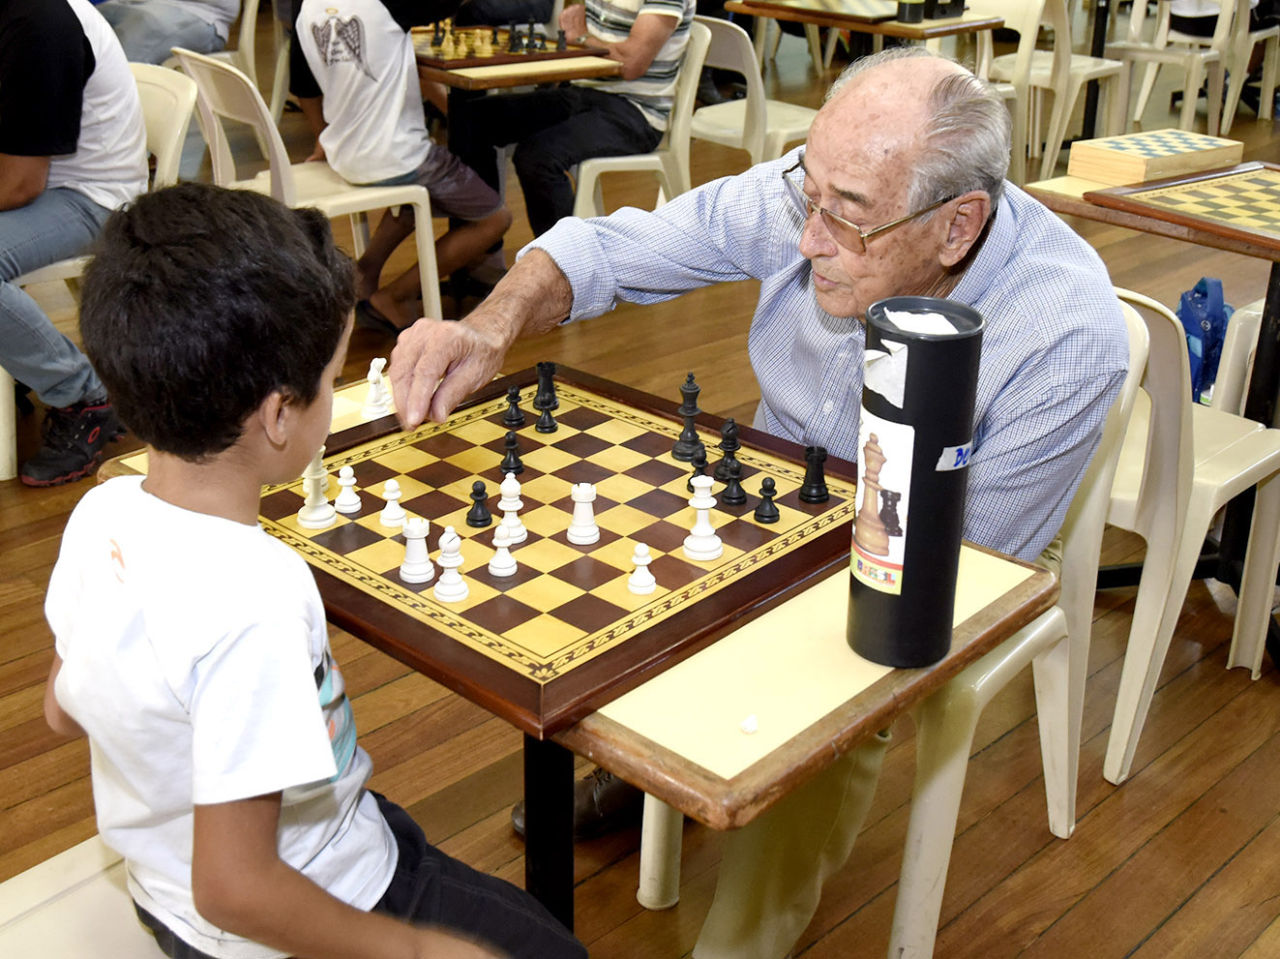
pixel 546 422
pixel 767 512
pixel 699 463
pixel 437 36
pixel 546 398
pixel 814 489
pixel 889 512
pixel 511 462
pixel 479 514
pixel 733 494
pixel 514 43
pixel 514 416
pixel 688 441
pixel 531 38
pixel 562 42
pixel 497 35
pixel 730 444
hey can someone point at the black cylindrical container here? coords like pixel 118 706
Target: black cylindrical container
pixel 914 440
pixel 910 11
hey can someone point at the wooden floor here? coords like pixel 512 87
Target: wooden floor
pixel 1184 859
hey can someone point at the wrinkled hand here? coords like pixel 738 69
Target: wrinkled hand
pixel 573 21
pixel 436 363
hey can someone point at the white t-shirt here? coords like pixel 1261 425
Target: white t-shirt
pixel 1199 8
pixel 196 657
pixel 110 162
pixel 363 62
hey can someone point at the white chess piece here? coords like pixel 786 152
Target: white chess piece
pixel 510 504
pixel 317 512
pixel 450 587
pixel 502 564
pixel 583 530
pixel 417 567
pixel 393 513
pixel 377 401
pixel 641 582
pixel 348 500
pixel 702 544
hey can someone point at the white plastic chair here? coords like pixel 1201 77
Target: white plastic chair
pixel 168 99
pixel 1181 462
pixel 1236 364
pixel 1056 645
pixel 1196 56
pixel 1243 40
pixel 1023 17
pixel 226 93
pixel 670 161
pixel 761 126
pixel 1064 80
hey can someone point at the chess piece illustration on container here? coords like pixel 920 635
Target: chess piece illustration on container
pixel 869 530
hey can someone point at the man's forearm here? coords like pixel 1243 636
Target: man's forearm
pixel 532 299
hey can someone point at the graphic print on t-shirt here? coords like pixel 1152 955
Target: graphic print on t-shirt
pixel 341 41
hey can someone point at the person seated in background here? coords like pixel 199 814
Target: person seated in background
pixel 355 76
pixel 72 149
pixel 555 128
pixel 900 189
pixel 1199 18
pixel 149 29
pixel 192 648
pixel 501 13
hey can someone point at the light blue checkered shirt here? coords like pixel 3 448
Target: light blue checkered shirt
pixel 1054 351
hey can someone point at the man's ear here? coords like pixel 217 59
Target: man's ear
pixel 275 415
pixel 966 218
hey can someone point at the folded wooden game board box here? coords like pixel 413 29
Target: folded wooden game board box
pixel 1138 157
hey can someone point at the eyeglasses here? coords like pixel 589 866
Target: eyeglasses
pixel 846 233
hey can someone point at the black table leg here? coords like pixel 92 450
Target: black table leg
pixel 548 843
pixel 1097 47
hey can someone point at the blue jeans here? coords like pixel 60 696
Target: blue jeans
pixel 554 129
pixel 148 29
pixel 58 224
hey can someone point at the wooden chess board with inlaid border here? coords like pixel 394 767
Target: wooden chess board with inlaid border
pixel 564 635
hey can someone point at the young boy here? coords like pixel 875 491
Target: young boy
pixel 355 75
pixel 192 647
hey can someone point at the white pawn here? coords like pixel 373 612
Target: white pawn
pixel 393 513
pixel 702 544
pixel 641 582
pixel 510 504
pixel 348 500
pixel 502 564
pixel 416 567
pixel 377 402
pixel 583 530
pixel 317 512
pixel 450 587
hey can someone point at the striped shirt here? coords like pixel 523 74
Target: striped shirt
pixel 1054 351
pixel 653 93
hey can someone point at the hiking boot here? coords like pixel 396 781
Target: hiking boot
pixel 73 440
pixel 602 803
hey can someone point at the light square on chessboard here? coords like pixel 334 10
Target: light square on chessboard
pixel 618 553
pixel 478 432
pixel 624 519
pixel 548 459
pixel 541 488
pixel 545 635
pixel 474 460
pixel 544 554
pixel 619 432
pixel 545 592
pixel 409 487
pixel 617 459
pixel 383 555
pixel 406 459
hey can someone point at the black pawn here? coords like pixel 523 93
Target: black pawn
pixel 767 512
pixel 497 35
pixel 562 42
pixel 814 489
pixel 545 398
pixel 688 441
pixel 479 514
pixel 511 462
pixel 733 494
pixel 437 36
pixel 514 43
pixel 699 464
pixel 730 444
pixel 546 422
pixel 514 416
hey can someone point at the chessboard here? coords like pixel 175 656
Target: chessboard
pixel 454 49
pixel 1149 155
pixel 564 634
pixel 1240 202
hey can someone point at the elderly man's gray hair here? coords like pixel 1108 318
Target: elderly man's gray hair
pixel 966 137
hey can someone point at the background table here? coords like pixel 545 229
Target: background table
pixel 798 11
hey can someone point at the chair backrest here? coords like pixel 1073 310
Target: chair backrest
pixel 1086 517
pixel 168 99
pixel 686 90
pixel 1229 16
pixel 1167 466
pixel 225 93
pixel 731 49
pixel 242 57
pixel 1235 367
pixel 1021 16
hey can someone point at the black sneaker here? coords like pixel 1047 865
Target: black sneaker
pixel 73 441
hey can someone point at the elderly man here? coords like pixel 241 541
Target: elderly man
pixel 899 190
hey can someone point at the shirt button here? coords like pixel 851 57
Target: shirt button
pixel 828 406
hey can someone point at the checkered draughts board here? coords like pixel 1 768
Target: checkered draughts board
pixel 567 606
pixel 1249 200
pixel 1150 155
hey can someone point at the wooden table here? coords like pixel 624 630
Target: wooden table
pixel 815 700
pixel 815 12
